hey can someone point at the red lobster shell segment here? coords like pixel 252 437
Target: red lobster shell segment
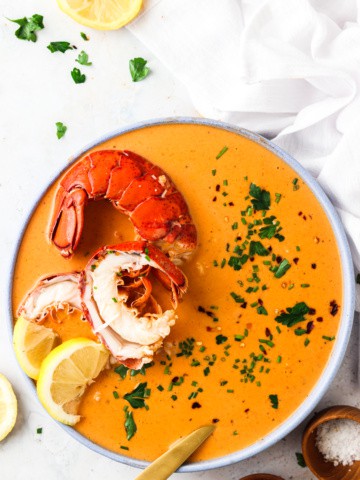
pixel 117 299
pixel 138 188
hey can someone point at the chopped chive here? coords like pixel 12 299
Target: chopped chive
pixel 306 342
pixel 213 172
pixel 160 388
pixel 279 358
pixel 277 197
pixel 329 339
pixel 305 285
pixel 221 153
pixel 297 248
pixel 39 430
pixel 114 300
pixel 116 395
pixel 206 371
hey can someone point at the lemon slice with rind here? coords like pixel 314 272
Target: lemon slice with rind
pixel 64 375
pixel 8 407
pixel 101 14
pixel 32 343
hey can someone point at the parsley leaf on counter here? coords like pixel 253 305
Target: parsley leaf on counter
pixel 77 76
pixel 137 397
pixel 28 27
pixel 60 129
pixel 59 47
pixel 261 198
pixel 300 460
pixel 130 425
pixel 83 59
pixel 138 69
pixel 84 36
pixel 274 401
pixel 294 315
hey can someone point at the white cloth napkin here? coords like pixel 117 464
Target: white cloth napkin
pixel 289 69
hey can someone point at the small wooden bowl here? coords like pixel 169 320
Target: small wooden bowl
pixel 261 476
pixel 315 460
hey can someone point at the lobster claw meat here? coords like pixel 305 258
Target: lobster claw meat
pixel 117 299
pixel 51 292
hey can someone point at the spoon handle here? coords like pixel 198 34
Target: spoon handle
pixel 168 462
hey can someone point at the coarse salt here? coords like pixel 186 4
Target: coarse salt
pixel 339 441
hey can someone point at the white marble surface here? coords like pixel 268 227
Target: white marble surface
pixel 36 91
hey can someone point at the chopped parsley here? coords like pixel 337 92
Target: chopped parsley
pixel 261 198
pixel 121 370
pixel 83 59
pixel 59 47
pixel 138 69
pixel 221 339
pixel 257 248
pixel 293 314
pixel 60 129
pixel 77 76
pixel 130 425
pixel 274 401
pixel 39 430
pixel 137 397
pixel 300 459
pixel 28 27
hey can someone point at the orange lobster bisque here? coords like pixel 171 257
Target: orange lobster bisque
pixel 256 327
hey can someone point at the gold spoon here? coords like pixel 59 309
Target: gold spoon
pixel 170 461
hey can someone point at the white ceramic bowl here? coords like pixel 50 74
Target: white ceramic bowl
pixel 345 322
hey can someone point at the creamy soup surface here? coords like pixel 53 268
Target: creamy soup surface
pixel 259 321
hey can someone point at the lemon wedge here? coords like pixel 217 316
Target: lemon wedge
pixel 8 407
pixel 101 14
pixel 32 343
pixel 64 375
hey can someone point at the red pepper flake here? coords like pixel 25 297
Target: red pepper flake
pixel 215 420
pixel 196 405
pixel 311 311
pixel 247 410
pixel 279 259
pixel 231 204
pixel 267 332
pixel 238 238
pixel 300 213
pixel 201 309
pixel 260 302
pixel 269 248
pixel 251 259
pixel 304 217
pixel 319 319
pixel 296 260
pixel 334 308
pixel 310 327
pixel 175 380
pixel 243 305
pixel 217 188
pixel 214 199
pixel 313 266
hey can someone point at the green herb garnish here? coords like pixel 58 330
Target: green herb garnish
pixel 221 153
pixel 130 425
pixel 115 394
pixel 59 47
pixel 329 339
pixel 137 397
pixel 77 76
pixel 237 298
pixel 294 314
pixel 282 269
pixel 138 69
pixel 39 430
pixel 121 370
pixel 28 27
pixel 60 129
pixel 84 36
pixel 274 401
pixel 257 248
pixel 261 198
pixel 83 59
pixel 220 339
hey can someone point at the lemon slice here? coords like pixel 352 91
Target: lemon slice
pixel 8 407
pixel 101 14
pixel 65 374
pixel 32 343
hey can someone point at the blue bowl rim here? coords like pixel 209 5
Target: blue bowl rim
pixel 345 327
